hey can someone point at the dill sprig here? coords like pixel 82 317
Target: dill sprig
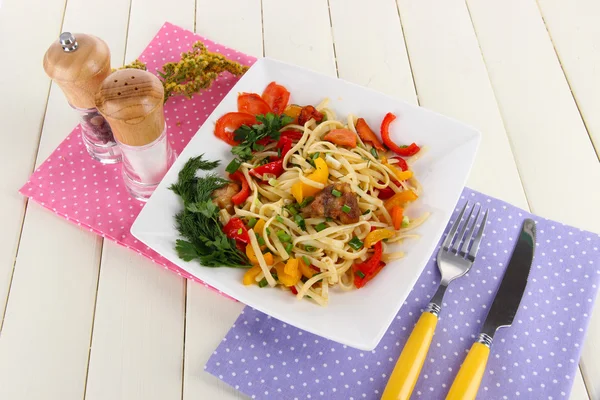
pixel 198 222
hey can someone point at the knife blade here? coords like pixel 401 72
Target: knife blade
pixel 509 294
pixel 502 313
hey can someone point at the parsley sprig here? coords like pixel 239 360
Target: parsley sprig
pixel 198 222
pixel 248 136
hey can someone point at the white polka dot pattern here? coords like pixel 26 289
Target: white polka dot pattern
pixel 536 358
pixel 92 195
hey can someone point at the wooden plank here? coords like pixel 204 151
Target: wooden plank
pixel 375 55
pixel 574 30
pixel 209 315
pixel 539 112
pixel 45 341
pixel 299 32
pixel 137 346
pixel 223 21
pixel 543 121
pixel 440 34
pixel 22 109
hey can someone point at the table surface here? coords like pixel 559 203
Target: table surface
pixel 85 318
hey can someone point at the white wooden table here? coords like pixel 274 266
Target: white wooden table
pixel 84 318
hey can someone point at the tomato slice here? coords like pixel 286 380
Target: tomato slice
pixel 229 122
pixel 277 97
pixel 252 103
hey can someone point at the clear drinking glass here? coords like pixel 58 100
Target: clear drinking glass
pixel 145 166
pixel 98 137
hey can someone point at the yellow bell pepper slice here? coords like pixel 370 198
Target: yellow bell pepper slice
pixel 291 267
pixel 377 235
pixel 254 260
pixel 306 270
pixel 287 279
pixel 301 190
pixel 259 227
pixel 251 274
pixel 400 198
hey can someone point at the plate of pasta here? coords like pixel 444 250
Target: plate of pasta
pixel 311 199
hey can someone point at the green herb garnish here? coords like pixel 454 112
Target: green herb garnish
pixel 289 247
pixel 233 166
pixel 310 249
pixel 299 219
pixel 346 208
pixel 306 201
pixel 279 218
pixel 374 152
pixel 252 222
pixel 336 193
pixel 405 221
pixel 314 156
pixel 306 261
pixel 260 240
pixel 198 223
pixel 263 282
pixel 284 236
pixel 368 210
pixel 355 243
pixel 321 226
pixel 360 274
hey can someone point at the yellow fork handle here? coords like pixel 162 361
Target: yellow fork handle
pixel 466 383
pixel 408 367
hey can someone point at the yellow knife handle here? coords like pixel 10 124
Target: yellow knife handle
pixel 408 367
pixel 467 381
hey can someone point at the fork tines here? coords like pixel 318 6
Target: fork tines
pixel 470 233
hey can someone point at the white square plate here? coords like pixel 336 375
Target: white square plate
pixel 442 170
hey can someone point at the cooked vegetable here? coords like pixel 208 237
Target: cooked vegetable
pixel 292 278
pixel 397 216
pixel 307 113
pixel 252 103
pixel 404 151
pixel 243 194
pixel 229 123
pixel 377 235
pixel 276 96
pixel 342 137
pixel 367 135
pixel 301 190
pixel 365 271
pixel 400 198
pixel 251 274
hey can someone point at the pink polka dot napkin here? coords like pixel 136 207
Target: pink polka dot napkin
pixel 92 195
pixel 534 359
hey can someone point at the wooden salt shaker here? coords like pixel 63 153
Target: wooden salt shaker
pixel 79 63
pixel 131 100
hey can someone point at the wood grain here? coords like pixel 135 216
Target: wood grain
pixel 21 113
pixel 439 34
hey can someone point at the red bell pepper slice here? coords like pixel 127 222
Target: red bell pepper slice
pixel 274 168
pixel 285 144
pixel 243 194
pixel 405 151
pixel 401 163
pixel 293 135
pixel 236 229
pixel 365 271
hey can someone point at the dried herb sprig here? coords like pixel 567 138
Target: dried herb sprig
pixel 196 70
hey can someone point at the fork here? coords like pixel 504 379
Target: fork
pixel 454 259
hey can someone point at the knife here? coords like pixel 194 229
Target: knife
pixel 501 315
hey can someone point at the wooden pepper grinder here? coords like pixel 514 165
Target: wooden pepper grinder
pixel 131 100
pixel 78 64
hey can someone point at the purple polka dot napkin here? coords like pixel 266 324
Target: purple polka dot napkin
pixel 536 358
